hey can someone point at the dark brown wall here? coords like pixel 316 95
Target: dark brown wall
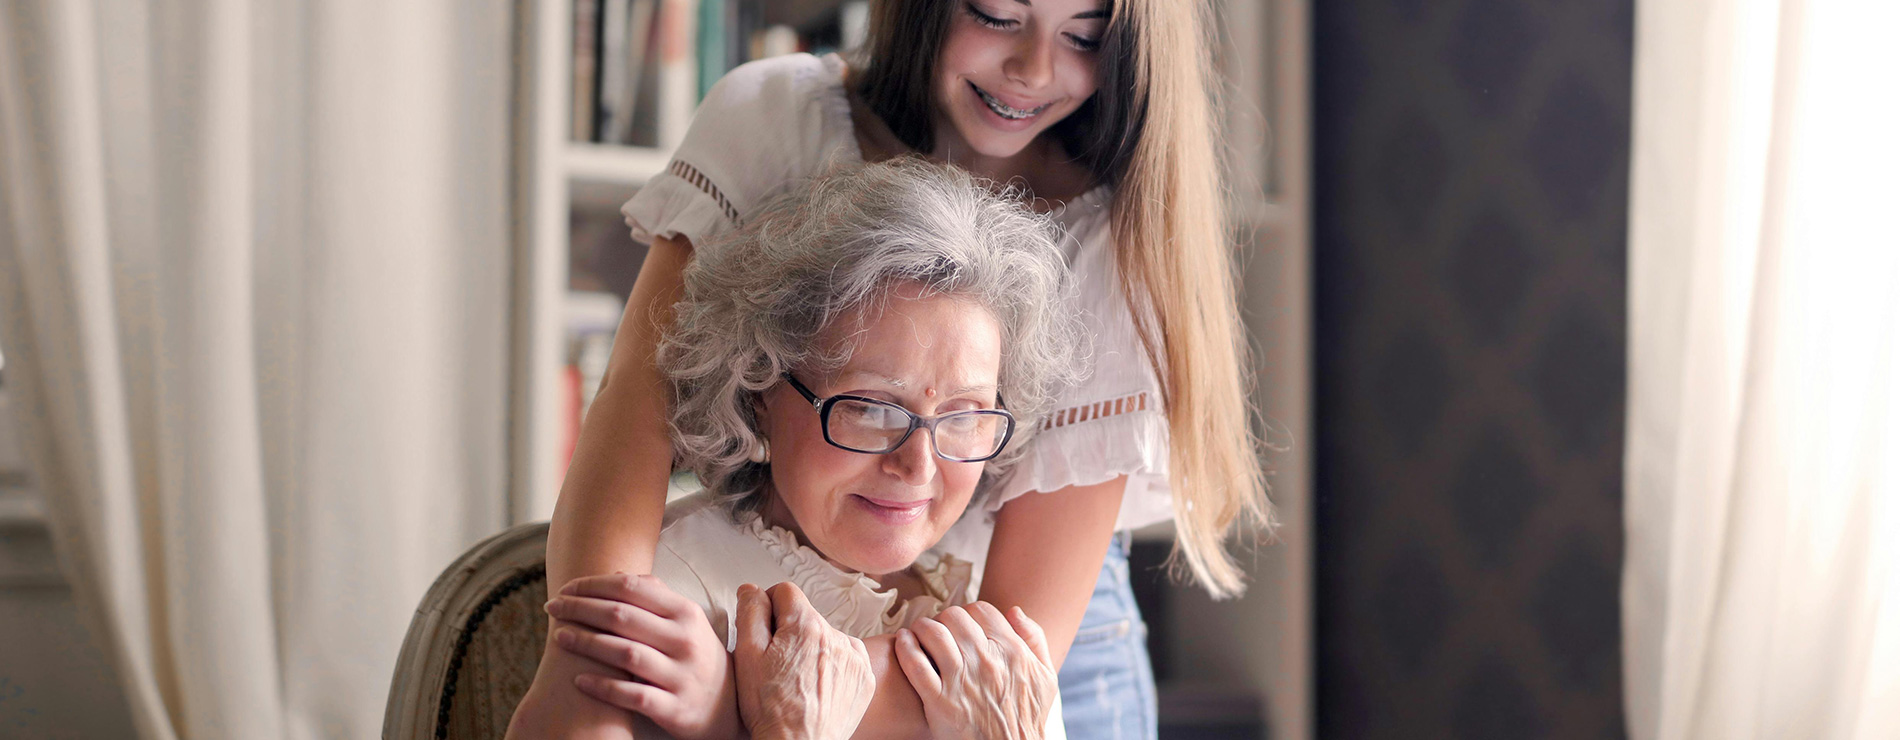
pixel 1470 202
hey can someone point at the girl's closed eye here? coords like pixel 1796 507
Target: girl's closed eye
pixel 986 19
pixel 1079 41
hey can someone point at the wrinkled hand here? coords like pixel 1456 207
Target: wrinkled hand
pixel 638 625
pixel 798 677
pixel 992 678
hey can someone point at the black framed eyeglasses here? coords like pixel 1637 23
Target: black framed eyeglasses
pixel 876 427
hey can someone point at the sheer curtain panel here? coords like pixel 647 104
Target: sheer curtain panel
pixel 253 290
pixel 1761 591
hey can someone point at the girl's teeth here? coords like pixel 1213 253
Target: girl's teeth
pixel 1005 111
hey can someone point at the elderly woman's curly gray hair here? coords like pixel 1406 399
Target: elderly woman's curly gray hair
pixel 758 300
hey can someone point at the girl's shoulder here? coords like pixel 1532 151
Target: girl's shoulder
pixel 762 126
pixel 790 112
pixel 786 81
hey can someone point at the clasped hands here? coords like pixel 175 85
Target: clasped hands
pixel 978 673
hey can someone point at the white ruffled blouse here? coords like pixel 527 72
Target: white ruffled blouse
pixel 771 123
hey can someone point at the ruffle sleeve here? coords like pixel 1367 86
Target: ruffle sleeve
pixel 764 125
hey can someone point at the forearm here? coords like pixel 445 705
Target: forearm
pixel 607 520
pixel 596 529
pixel 1046 556
pixel 554 708
pixel 614 495
pixel 895 710
pixel 612 501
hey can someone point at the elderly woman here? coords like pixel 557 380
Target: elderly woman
pixel 848 367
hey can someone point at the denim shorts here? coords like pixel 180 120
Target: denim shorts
pixel 1108 686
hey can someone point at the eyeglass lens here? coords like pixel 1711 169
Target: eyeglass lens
pixel 877 428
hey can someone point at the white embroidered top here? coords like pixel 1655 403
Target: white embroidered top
pixel 705 556
pixel 769 124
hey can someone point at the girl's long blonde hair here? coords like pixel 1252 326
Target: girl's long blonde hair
pixel 1151 130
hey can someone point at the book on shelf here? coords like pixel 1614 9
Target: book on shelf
pixel 641 66
pixel 625 34
pixel 591 319
pixel 586 67
pixel 678 92
pixel 711 41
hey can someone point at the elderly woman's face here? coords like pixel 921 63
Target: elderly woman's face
pixel 876 514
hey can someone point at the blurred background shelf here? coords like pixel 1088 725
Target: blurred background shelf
pixel 600 177
pixel 21 512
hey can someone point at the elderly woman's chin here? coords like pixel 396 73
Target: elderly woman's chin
pixel 874 533
pixel 879 540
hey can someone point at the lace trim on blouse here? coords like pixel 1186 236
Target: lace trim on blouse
pixel 699 180
pixel 1099 410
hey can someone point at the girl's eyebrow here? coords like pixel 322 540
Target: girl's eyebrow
pixel 1084 15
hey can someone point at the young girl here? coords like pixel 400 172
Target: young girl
pixel 1101 108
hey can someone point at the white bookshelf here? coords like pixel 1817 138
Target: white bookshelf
pixel 556 176
pixel 600 177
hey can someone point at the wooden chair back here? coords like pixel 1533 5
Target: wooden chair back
pixel 475 642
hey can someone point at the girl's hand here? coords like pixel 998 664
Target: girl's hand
pixel 638 625
pixel 798 677
pixel 992 677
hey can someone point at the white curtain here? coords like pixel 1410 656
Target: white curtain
pixel 253 290
pixel 1761 594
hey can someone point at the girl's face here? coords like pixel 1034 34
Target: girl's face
pixel 875 514
pixel 1012 68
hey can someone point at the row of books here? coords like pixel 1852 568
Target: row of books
pixel 641 66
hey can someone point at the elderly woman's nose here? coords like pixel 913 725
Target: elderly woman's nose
pixel 914 463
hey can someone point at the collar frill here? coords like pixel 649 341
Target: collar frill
pixel 852 602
